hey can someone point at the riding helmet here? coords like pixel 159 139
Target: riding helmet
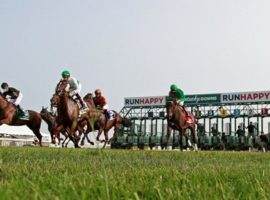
pixel 66 73
pixel 97 91
pixel 173 87
pixel 4 85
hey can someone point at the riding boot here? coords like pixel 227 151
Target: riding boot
pixel 83 106
pixel 107 114
pixel 20 110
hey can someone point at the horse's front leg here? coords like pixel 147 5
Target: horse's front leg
pixel 99 133
pixel 72 134
pixel 55 133
pixel 7 121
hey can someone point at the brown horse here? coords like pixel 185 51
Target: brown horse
pixel 102 123
pixel 50 119
pixel 177 120
pixel 67 112
pixel 8 116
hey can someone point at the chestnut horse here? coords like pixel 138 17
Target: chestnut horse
pixel 8 116
pixel 176 119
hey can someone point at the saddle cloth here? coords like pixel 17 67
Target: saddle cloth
pixel 22 117
pixel 189 118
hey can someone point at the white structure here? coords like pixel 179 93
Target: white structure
pixel 19 136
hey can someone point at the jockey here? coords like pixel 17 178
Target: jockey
pixel 178 94
pixel 15 96
pixel 101 103
pixel 74 87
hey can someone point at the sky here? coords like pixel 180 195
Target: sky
pixel 133 48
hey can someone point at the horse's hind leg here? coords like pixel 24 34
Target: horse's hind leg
pixel 35 127
pixel 194 138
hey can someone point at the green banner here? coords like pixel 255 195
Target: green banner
pixel 202 99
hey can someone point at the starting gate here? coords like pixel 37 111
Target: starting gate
pixel 218 115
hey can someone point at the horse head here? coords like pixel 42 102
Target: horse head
pixel 170 107
pixel 88 98
pixel 44 112
pixel 62 87
pixel 55 100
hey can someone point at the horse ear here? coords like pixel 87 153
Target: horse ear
pixel 42 107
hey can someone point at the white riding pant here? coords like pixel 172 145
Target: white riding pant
pixel 106 107
pixel 77 91
pixel 181 103
pixel 18 100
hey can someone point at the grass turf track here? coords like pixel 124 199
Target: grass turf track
pixel 48 173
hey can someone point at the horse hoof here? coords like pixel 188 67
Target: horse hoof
pixel 92 143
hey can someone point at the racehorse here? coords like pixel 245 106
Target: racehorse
pixel 50 119
pixel 67 112
pixel 177 119
pixel 102 124
pixel 8 116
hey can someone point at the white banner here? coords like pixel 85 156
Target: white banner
pixel 241 97
pixel 145 101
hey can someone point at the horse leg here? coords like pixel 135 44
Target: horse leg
pixel 193 133
pixel 83 138
pixel 106 141
pixel 169 130
pixel 66 138
pixel 88 140
pixel 34 125
pixel 75 138
pixel 99 133
pixel 5 121
pixel 39 136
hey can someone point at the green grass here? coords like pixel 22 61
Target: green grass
pixel 46 173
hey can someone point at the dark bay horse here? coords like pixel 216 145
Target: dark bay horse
pixel 8 116
pixel 50 119
pixel 102 124
pixel 177 120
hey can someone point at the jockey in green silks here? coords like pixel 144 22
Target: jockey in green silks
pixel 177 93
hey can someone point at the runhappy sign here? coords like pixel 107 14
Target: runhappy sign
pixel 145 101
pixel 245 97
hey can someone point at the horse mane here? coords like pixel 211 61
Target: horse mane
pixel 60 86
